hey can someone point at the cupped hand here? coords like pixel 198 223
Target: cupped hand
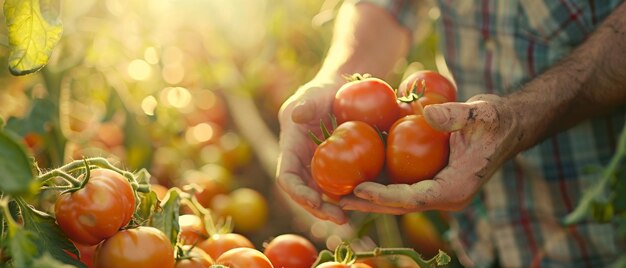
pixel 300 114
pixel 484 131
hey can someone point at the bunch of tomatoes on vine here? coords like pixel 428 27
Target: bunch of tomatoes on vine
pixel 379 133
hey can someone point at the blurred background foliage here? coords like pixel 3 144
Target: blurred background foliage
pixel 190 89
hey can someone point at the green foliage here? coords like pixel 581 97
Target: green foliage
pixel 34 30
pixel 16 175
pixel 166 219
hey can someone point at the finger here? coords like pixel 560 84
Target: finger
pixel 328 212
pixel 358 204
pixel 424 195
pixel 449 117
pixel 303 112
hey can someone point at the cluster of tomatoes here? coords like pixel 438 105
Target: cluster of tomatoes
pixel 382 130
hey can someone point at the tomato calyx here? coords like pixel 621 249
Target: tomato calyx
pixel 411 94
pixel 325 132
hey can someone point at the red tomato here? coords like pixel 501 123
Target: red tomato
pixel 97 211
pixel 138 247
pixel 196 258
pixel 192 229
pixel 86 254
pixel 415 151
pixel 244 258
pixel 291 250
pixel 370 100
pixel 353 154
pixel 217 244
pixel 333 264
pixel 436 89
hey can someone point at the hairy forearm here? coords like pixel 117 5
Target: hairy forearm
pixel 591 81
pixel 366 39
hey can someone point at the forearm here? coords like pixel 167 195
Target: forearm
pixel 591 81
pixel 366 39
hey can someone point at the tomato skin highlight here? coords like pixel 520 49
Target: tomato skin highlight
pixel 415 151
pixel 353 154
pixel 217 244
pixel 291 250
pixel 370 100
pixel 138 248
pixel 244 258
pixel 97 211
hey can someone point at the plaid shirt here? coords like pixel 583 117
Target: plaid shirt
pixel 494 47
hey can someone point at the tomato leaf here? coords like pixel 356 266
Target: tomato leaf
pixel 50 238
pixel 22 247
pixel 34 30
pixel 16 173
pixel 166 219
pixel 47 261
pixel 148 205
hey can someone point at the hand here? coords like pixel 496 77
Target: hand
pixel 484 133
pixel 299 114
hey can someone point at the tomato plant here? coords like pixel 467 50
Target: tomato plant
pixel 423 88
pixel 217 244
pixel 98 210
pixel 415 151
pixel 291 250
pixel 334 264
pixel 353 154
pixel 138 247
pixel 367 99
pixel 193 257
pixel 192 229
pixel 244 258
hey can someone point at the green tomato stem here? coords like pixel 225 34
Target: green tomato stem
pixel 440 259
pixel 57 173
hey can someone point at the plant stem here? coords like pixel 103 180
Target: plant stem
pixel 56 173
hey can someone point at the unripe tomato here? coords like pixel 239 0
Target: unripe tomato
pixel 415 151
pixel 353 154
pixel 141 247
pixel 244 258
pixel 217 244
pixel 98 210
pixel 291 250
pixel 367 99
pixel 247 208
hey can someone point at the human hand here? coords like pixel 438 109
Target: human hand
pixel 484 133
pixel 299 114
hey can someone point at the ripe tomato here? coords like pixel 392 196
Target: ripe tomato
pixel 353 154
pixel 217 244
pixel 86 254
pixel 334 264
pixel 138 247
pixel 192 229
pixel 291 250
pixel 196 258
pixel 415 151
pixel 436 87
pixel 98 210
pixel 244 258
pixel 370 100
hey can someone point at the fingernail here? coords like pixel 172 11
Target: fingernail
pixel 436 114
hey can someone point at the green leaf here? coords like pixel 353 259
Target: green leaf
pixel 47 261
pixel 50 238
pixel 148 205
pixel 16 174
pixel 22 247
pixel 34 30
pixel 166 219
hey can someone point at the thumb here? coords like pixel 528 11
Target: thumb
pixel 450 116
pixel 303 112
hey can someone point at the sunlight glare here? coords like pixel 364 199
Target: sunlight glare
pixel 139 70
pixel 148 105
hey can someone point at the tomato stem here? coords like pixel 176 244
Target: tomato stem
pixel 57 173
pixel 438 260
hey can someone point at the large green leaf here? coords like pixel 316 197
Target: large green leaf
pixel 16 175
pixel 34 30
pixel 47 261
pixel 50 238
pixel 166 219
